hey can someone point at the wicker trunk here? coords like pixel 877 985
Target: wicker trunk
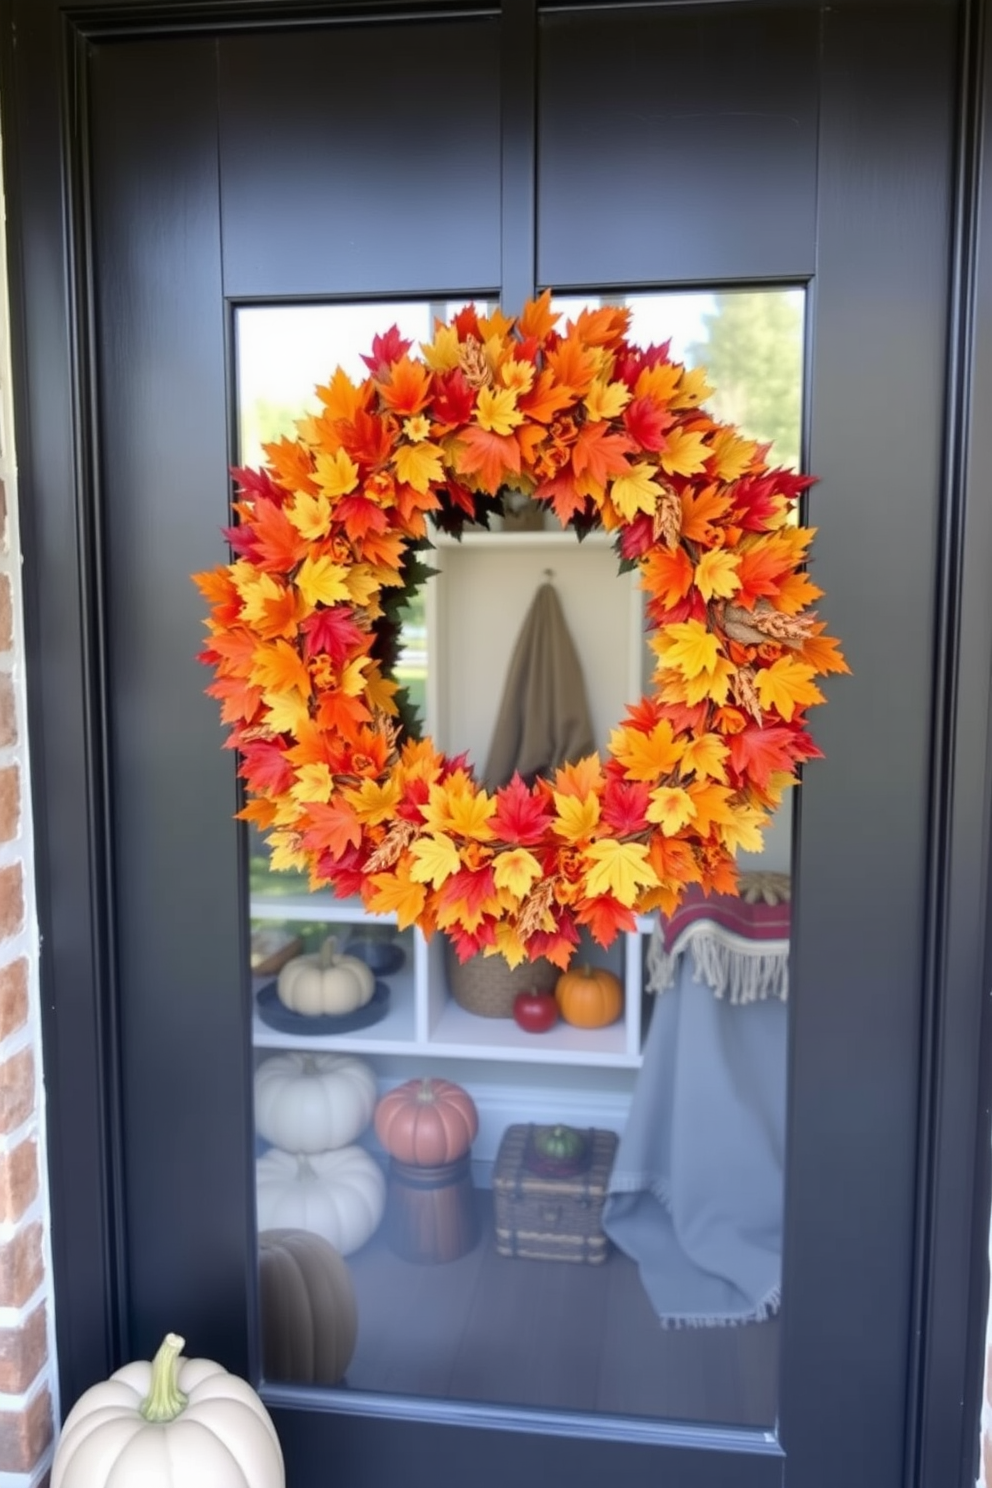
pixel 547 1218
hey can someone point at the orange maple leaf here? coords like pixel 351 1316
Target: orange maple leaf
pixel 574 366
pixel 546 398
pixel 667 574
pixel 408 387
pixel 490 456
pixel 331 827
pixel 537 317
pixel 278 544
pixel 702 511
pixel 599 453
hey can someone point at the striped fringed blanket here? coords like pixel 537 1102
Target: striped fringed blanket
pixel 739 945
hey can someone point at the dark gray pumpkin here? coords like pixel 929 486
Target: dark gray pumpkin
pixel 309 1313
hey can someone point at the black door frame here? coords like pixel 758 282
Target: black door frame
pixel 44 110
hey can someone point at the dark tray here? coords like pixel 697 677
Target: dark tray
pixel 277 1015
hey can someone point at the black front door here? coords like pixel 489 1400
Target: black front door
pixel 218 159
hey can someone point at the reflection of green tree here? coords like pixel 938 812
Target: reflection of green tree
pixel 753 355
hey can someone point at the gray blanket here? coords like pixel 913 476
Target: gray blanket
pixel 696 1193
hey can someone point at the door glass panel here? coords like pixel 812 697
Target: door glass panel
pixel 609 1244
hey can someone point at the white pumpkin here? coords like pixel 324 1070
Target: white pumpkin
pixel 313 1102
pixel 340 1195
pixel 325 983
pixel 170 1423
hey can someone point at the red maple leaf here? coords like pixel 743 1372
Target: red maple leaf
pixel 259 483
pixel 347 874
pixel 637 538
pixel 264 767
pixel 387 348
pixel 758 751
pixel 453 399
pixel 625 805
pixel 646 422
pixel 367 438
pixel 469 888
pixel 520 816
pixel 360 516
pixel 333 631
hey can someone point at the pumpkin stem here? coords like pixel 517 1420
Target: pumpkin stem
pixel 327 953
pixel 426 1091
pixel 165 1401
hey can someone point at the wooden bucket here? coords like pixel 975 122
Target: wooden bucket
pixel 430 1212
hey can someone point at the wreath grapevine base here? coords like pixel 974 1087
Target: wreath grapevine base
pixel 329 543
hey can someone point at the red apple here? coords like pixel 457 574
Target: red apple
pixel 536 1012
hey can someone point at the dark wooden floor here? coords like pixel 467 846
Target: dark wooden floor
pixel 550 1334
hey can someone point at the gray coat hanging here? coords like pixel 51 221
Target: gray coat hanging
pixel 543 719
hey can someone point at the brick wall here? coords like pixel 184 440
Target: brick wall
pixel 28 1402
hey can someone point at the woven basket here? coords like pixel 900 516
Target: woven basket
pixel 486 985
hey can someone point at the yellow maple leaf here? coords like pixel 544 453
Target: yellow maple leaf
pixel 455 805
pixel 635 491
pixel 361 583
pixel 496 410
pixel 441 354
pixel 605 400
pixel 313 782
pixel 693 388
pixel 619 869
pixel 276 666
pixel 705 758
pixel 732 454
pixel 713 805
pixel 353 677
pixel 684 453
pixel 687 646
pixel 787 685
pixel 580 777
pixel 516 870
pixel 336 474
pixel 287 711
pixel 672 808
pixel 418 465
pixel 435 859
pixel 508 945
pixel 380 692
pixel 716 574
pixel 744 831
pixel 310 515
pixel 517 376
pixel 374 801
pixel 322 581
pixel 646 756
pixel 284 852
pixel 677 688
pixel 257 592
pixel 577 817
pixel 395 893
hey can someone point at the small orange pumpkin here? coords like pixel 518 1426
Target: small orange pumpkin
pixel 427 1122
pixel 589 996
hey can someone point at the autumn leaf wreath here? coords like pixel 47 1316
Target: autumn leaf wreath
pixel 330 541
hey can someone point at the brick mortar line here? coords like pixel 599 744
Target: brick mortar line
pixel 21 1038
pixel 35 1213
pixel 13 1317
pixel 10 1141
pixel 18 1405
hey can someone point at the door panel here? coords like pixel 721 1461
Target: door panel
pixel 371 161
pixel 700 153
pixel 158 275
pixel 175 234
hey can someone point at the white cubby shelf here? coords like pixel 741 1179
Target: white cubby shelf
pixel 423 1018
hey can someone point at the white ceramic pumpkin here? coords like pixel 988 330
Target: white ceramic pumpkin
pixel 313 1102
pixel 325 983
pixel 169 1423
pixel 340 1195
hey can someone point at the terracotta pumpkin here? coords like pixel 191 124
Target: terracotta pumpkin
pixel 589 996
pixel 427 1122
pixel 325 983
pixel 169 1423
pixel 313 1102
pixel 339 1195
pixel 308 1307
